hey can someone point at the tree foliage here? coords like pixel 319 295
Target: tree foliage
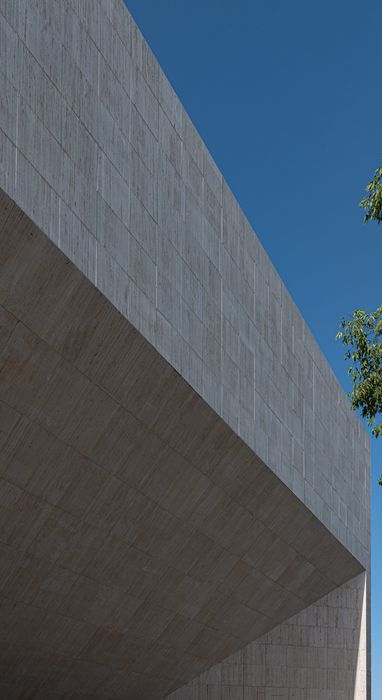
pixel 372 203
pixel 362 335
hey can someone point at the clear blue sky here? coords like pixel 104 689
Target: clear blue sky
pixel 288 98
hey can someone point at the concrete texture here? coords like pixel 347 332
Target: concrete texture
pixel 98 151
pixel 181 471
pixel 140 535
pixel 318 654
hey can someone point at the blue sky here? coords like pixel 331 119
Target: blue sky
pixel 287 97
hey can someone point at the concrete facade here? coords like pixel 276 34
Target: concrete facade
pixel 147 339
pixel 318 654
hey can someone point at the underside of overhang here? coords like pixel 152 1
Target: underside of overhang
pixel 141 540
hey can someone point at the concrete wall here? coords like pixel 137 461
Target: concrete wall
pixel 96 148
pixel 318 654
pixel 141 540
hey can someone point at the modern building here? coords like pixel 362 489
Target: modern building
pixel 184 490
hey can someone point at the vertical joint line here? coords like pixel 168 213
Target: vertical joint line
pixel 17 138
